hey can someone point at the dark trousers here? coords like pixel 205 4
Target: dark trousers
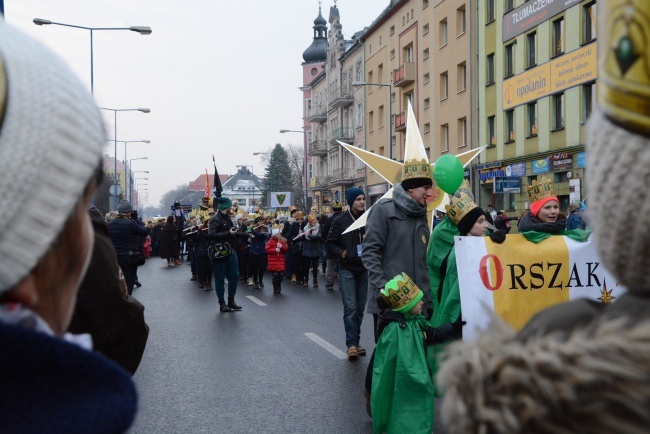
pixel 225 269
pixel 277 280
pixel 296 265
pixel 204 270
pixel 242 259
pixel 192 256
pixel 129 269
pixel 308 263
pixel 287 264
pixel 156 248
pixel 257 267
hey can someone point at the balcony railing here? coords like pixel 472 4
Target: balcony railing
pixel 317 147
pixel 404 75
pixel 400 122
pixel 342 177
pixel 344 134
pixel 317 114
pixel 318 182
pixel 341 97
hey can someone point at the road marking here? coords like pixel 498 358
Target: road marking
pixel 255 300
pixel 329 347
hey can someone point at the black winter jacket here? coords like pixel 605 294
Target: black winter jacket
pixel 337 243
pixel 125 234
pixel 326 230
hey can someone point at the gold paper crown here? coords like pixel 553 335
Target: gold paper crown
pixel 276 226
pixel 416 169
pixel 624 89
pixel 298 215
pixel 401 293
pixel 465 188
pixel 460 207
pixel 311 217
pixel 540 190
pixel 337 205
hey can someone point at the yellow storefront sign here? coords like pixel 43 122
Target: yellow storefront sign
pixel 564 72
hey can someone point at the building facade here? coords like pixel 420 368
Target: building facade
pixel 537 68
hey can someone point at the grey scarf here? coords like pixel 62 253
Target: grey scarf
pixel 531 223
pixel 406 203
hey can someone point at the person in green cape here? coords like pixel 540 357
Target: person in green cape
pixel 402 392
pixel 464 218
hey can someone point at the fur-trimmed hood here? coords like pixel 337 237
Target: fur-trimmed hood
pixel 593 379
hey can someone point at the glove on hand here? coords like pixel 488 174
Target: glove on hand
pixel 445 333
pixel 381 303
pixel 498 236
pixel 277 249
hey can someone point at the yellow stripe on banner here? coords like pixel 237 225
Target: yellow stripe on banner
pixel 533 276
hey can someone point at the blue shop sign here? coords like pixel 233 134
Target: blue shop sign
pixel 507 184
pixel 488 165
pixel 540 166
pixel 582 160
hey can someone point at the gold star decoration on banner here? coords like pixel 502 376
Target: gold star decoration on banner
pixel 391 170
pixel 606 296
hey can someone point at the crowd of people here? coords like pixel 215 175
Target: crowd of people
pixel 580 366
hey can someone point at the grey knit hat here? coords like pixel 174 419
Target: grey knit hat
pixel 51 139
pixel 124 206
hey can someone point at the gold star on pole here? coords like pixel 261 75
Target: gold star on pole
pixel 606 296
pixel 391 170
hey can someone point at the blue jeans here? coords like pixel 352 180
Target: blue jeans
pixel 228 268
pixel 354 293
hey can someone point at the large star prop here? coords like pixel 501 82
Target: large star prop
pixel 391 170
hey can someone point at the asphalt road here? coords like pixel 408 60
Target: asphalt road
pixel 278 366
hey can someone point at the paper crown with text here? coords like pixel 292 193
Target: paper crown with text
pixel 401 293
pixel 540 190
pixel 413 169
pixel 460 206
pixel 465 188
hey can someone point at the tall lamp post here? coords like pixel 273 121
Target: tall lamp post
pixel 390 110
pixel 143 30
pixel 268 205
pixel 143 110
pixel 130 187
pixel 305 160
pixel 128 169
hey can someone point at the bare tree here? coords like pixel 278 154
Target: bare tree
pixel 297 166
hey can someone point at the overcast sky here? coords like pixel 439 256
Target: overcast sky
pixel 220 77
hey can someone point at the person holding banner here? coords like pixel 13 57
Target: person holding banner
pixel 470 220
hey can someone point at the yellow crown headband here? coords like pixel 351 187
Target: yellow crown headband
pixel 416 169
pixel 460 207
pixel 540 190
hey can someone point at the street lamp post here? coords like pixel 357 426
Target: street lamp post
pixel 390 110
pixel 143 110
pixel 130 187
pixel 128 169
pixel 143 30
pixel 305 160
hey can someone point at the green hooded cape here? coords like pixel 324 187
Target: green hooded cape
pixel 402 393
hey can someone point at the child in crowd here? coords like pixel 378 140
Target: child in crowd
pixel 276 247
pixel 401 399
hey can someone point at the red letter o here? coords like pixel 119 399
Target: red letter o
pixel 483 272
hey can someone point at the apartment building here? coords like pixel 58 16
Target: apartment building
pixel 419 52
pixel 537 69
pixel 334 113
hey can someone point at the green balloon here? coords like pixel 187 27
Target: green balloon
pixel 448 173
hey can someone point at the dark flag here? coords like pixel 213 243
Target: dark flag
pixel 218 189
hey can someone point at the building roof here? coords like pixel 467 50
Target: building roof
pixel 243 180
pixel 199 183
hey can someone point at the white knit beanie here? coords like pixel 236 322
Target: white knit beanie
pixel 51 139
pixel 618 170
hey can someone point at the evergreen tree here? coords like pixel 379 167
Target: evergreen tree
pixel 277 175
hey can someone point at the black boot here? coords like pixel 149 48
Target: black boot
pixel 223 307
pixel 232 305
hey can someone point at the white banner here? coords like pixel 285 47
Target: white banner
pixel 518 278
pixel 280 199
